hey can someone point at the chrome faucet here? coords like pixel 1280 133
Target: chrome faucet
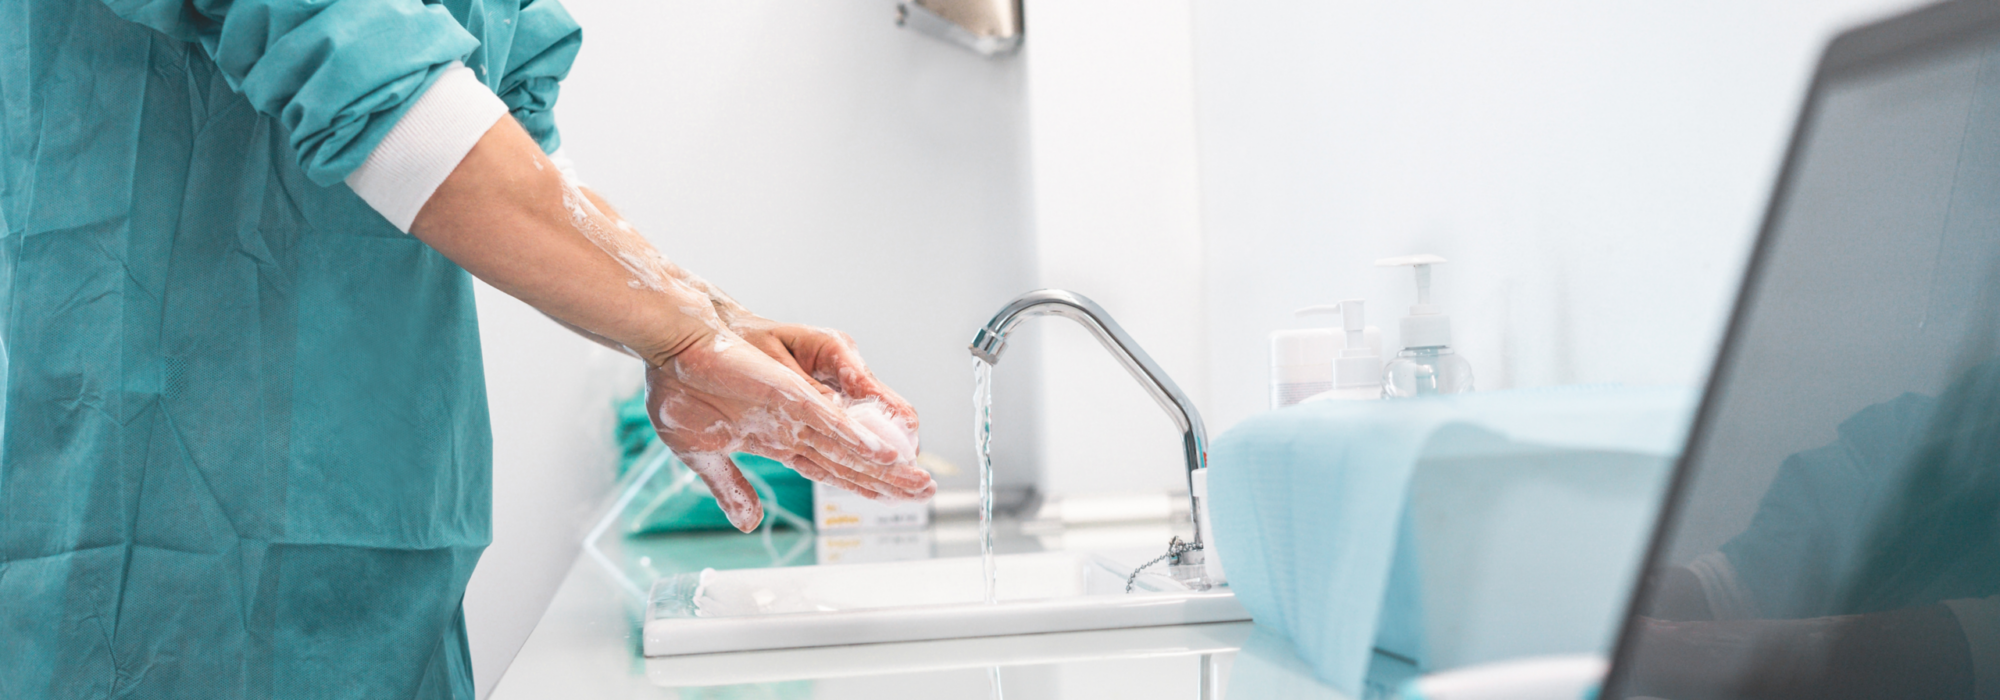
pixel 1185 560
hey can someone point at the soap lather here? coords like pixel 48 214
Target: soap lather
pixel 1427 365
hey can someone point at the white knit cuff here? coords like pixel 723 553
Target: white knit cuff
pixel 1979 619
pixel 423 148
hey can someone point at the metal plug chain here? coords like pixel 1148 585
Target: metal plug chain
pixel 1175 548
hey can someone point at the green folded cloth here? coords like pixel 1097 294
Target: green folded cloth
pixel 690 508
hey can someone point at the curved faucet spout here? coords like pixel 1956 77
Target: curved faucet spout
pixel 991 341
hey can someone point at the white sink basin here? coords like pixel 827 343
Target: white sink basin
pixel 782 665
pixel 816 606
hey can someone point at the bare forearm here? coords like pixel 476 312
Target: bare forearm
pixel 595 338
pixel 508 217
pixel 732 313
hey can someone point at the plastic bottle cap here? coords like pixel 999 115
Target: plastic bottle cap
pixel 1426 330
pixel 1426 325
pixel 1350 372
pixel 1359 362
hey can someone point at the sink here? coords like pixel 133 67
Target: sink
pixel 783 665
pixel 817 606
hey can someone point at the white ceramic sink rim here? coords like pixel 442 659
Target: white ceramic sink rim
pixel 780 665
pixel 1052 592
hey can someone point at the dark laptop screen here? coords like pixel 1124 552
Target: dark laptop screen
pixel 1835 526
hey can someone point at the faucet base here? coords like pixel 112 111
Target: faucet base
pixel 1184 564
pixel 1195 576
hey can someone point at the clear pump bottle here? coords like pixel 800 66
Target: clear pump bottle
pixel 1427 366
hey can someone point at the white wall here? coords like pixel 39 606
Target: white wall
pixel 1111 103
pixel 822 165
pixel 1595 172
pixel 1200 168
pixel 549 394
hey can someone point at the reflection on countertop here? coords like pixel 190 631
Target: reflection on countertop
pixel 587 644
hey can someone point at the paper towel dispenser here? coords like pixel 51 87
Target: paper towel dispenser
pixel 990 27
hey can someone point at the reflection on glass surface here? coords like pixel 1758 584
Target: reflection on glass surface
pixel 1839 530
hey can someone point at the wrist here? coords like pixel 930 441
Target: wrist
pixel 676 332
pixel 726 308
pixel 744 322
pixel 662 353
pixel 659 326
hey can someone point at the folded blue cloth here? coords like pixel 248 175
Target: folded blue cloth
pixel 1307 503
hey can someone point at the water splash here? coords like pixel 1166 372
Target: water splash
pixel 982 442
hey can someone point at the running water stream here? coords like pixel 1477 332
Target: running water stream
pixel 982 442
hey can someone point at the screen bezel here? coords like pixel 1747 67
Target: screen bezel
pixel 1878 47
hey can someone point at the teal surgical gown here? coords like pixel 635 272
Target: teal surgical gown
pixel 244 451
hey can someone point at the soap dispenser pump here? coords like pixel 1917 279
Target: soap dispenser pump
pixel 1302 360
pixel 1427 365
pixel 1357 369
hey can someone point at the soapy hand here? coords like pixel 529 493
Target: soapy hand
pixel 828 356
pixel 509 217
pixel 824 356
pixel 723 396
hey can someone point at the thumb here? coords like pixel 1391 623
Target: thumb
pixel 860 383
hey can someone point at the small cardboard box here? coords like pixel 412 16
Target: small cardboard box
pixel 837 510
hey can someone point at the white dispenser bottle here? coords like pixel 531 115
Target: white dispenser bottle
pixel 1302 359
pixel 1357 369
pixel 1301 364
pixel 1427 365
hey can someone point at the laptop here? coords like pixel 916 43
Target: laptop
pixel 1833 527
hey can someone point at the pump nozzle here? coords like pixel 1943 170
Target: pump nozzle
pixel 1360 362
pixel 1422 263
pixel 1353 320
pixel 1427 325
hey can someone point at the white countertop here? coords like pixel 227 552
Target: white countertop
pixel 587 645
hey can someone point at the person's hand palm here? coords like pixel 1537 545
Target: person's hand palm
pixel 829 357
pixel 724 396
